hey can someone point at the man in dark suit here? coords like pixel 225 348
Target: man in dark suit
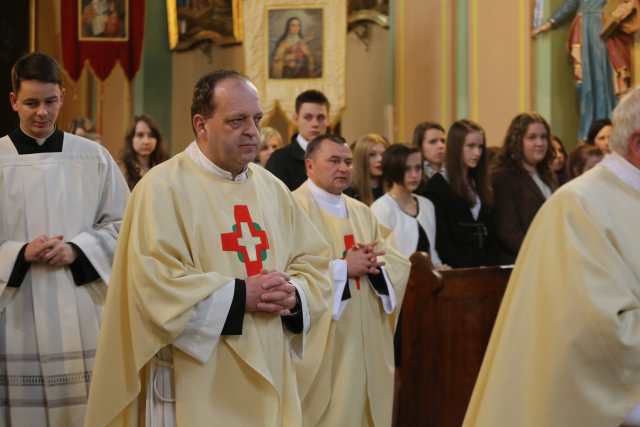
pixel 312 119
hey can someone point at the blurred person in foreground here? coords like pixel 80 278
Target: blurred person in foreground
pixel 565 348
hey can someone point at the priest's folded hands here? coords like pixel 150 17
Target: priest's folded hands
pixel 270 292
pixel 362 259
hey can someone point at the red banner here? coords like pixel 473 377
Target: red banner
pixel 102 32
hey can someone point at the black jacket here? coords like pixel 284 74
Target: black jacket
pixel 462 241
pixel 517 200
pixel 287 163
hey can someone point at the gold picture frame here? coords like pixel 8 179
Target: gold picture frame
pixel 321 26
pixel 191 22
pixel 103 20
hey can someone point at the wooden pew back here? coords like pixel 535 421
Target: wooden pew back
pixel 447 319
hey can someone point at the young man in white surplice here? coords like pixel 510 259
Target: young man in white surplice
pixel 61 202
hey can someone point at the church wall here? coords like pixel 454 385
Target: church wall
pixel 454 61
pixel 113 110
pixel 471 59
pixel 152 86
pixel 369 82
pixel 500 64
pixel 441 60
pixel 187 68
pixel 422 64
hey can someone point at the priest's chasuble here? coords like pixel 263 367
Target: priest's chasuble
pixel 565 348
pixel 187 233
pixel 346 376
pixel 48 325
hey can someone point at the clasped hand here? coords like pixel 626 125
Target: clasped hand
pixel 270 292
pixel 363 259
pixel 50 250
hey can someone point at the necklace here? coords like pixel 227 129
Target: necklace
pixel 408 206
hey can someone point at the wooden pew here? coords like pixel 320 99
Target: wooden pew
pixel 447 319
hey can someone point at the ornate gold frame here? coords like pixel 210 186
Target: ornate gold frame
pixel 367 15
pixel 174 36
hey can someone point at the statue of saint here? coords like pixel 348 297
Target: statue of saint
pixel 600 53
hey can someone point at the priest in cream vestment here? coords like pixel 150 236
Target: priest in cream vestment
pixel 346 377
pixel 61 203
pixel 183 341
pixel 565 348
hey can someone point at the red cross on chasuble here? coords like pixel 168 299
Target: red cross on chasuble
pixel 247 239
pixel 350 242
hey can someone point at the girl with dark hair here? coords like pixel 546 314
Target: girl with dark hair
pixel 599 134
pixel 142 149
pixel 559 164
pixel 429 138
pixel 583 158
pixel 410 217
pixel 463 199
pixel 522 181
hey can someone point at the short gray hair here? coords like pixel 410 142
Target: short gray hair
pixel 626 121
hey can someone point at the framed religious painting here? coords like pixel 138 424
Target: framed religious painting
pixel 103 20
pixel 192 22
pixel 295 43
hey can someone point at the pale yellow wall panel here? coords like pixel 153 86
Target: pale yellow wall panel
pixel 495 97
pixel 187 68
pixel 421 67
pixel 114 110
pixel 368 84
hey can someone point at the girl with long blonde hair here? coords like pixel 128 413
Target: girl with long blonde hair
pixel 367 183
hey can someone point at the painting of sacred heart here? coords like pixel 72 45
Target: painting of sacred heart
pixel 103 20
pixel 295 43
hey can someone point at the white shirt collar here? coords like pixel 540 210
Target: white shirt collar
pixel 429 170
pixel 332 203
pixel 302 142
pixel 196 154
pixel 623 169
pixel 39 141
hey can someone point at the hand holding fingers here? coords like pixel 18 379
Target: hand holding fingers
pixel 274 297
pixel 65 255
pixel 277 273
pixel 268 307
pixel 34 248
pixel 52 248
pixel 287 303
pixel 272 281
pixel 370 247
pixel 358 263
pixel 290 302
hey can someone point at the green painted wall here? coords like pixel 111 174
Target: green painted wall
pixel 462 59
pixel 554 86
pixel 152 84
